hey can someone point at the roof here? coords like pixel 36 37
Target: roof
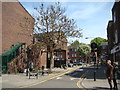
pixel 26 10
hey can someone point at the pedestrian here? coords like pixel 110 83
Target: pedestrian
pixel 115 68
pixel 109 73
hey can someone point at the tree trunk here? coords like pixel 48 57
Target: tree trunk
pixel 51 61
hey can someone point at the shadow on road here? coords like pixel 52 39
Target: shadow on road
pixel 100 88
pixel 99 73
pixel 79 72
pixel 90 75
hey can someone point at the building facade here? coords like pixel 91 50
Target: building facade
pixel 73 55
pixel 113 33
pixel 104 51
pixel 17 25
pixel 17 35
pixel 60 51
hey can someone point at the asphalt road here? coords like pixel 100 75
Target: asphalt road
pixel 68 80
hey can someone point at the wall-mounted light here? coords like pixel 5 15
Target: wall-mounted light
pixel 43 51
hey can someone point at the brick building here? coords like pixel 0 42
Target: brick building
pixel 14 31
pixel 111 38
pixel 113 31
pixel 72 54
pixel 60 52
pixel 17 35
pixel 104 51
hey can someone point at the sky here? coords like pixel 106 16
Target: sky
pixel 91 17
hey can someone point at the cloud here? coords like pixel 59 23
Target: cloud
pixel 86 11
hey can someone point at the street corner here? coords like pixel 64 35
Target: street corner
pixel 98 84
pixel 81 79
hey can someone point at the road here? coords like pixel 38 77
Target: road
pixel 68 80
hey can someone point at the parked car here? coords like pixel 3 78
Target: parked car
pixel 78 63
pixel 70 64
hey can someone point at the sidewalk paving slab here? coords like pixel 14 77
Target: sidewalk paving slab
pixel 101 81
pixel 18 80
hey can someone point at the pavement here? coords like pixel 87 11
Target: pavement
pixel 21 80
pixel 101 81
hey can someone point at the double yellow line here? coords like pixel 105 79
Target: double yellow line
pixel 80 80
pixel 48 79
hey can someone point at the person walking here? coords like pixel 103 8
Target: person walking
pixel 109 73
pixel 115 68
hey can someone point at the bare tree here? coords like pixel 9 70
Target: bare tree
pixel 54 25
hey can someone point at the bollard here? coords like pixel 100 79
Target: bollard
pixel 94 75
pixel 43 70
pixel 97 66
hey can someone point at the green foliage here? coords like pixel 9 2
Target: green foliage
pixel 84 49
pixel 98 41
pixel 75 43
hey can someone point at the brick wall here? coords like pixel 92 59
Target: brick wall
pixel 14 30
pixel 62 45
pixel 73 55
pixel 43 60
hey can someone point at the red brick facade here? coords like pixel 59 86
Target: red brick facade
pixel 14 30
pixel 60 53
pixel 72 54
pixel 17 27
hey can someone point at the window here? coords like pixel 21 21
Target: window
pixel 68 51
pixel 72 55
pixel 114 16
pixel 75 55
pixel 68 55
pixel 116 36
pixel 60 56
pixel 75 60
pixel 75 49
